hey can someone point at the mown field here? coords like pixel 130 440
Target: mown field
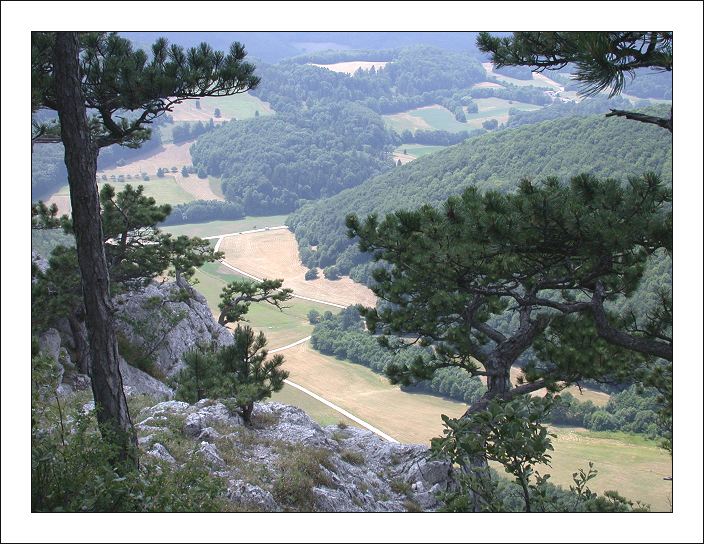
pixel 280 327
pixel 164 190
pixel 438 118
pixel 274 254
pixel 215 228
pixel 539 80
pixel 320 413
pixel 239 106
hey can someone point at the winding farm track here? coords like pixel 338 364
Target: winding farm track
pixel 327 402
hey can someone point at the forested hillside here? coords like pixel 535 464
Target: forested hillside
pixel 269 164
pixel 414 77
pixel 563 147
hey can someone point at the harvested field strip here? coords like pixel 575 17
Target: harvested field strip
pixel 408 417
pixel 218 228
pixel 274 254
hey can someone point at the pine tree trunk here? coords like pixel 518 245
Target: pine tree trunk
pixel 81 163
pixel 80 342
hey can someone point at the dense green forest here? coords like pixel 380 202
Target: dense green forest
pixel 344 337
pixel 563 147
pixel 270 164
pixel 199 211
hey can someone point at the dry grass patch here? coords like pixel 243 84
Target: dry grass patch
pixel 274 254
pixel 169 155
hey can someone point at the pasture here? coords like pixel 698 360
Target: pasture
pixel 495 108
pixel 280 327
pixel 167 156
pixel 323 415
pixel 630 464
pixel 238 106
pixel 415 151
pixel 407 417
pixel 433 117
pixel 274 254
pixel 164 190
pixel 352 66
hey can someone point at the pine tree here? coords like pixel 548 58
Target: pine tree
pixel 238 295
pixel 602 60
pixel 72 73
pixel 248 375
pixel 541 262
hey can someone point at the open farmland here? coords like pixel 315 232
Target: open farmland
pixel 274 254
pixel 168 155
pixel 407 417
pixel 280 327
pixel 320 413
pixel 630 464
pixel 352 66
pixel 170 189
pixel 495 108
pixel 164 190
pixel 407 153
pixel 239 106
pixel 539 80
pixel 433 117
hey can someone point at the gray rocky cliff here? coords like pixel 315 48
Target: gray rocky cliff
pixel 268 467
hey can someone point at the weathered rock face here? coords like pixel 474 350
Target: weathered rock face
pixel 339 469
pixel 138 382
pixel 160 321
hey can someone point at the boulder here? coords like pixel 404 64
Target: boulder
pixel 250 495
pixel 210 454
pixel 368 482
pixel 160 452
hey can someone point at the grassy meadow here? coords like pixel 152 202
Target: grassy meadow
pixel 216 228
pixel 418 151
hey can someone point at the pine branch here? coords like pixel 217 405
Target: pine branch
pixel 663 122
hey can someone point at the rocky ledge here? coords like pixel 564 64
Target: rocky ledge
pixel 286 462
